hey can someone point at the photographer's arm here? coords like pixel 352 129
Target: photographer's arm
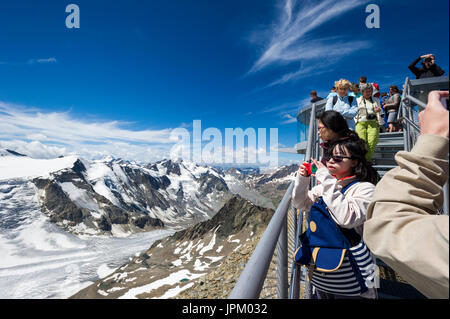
pixel 413 67
pixel 402 227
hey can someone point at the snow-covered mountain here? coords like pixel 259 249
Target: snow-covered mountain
pixel 266 188
pixel 115 196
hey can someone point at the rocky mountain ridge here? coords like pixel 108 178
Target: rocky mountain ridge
pixel 174 264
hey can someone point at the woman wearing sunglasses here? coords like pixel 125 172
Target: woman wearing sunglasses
pixel 345 186
pixel 332 127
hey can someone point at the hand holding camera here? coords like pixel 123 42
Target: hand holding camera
pixel 434 119
pixel 311 169
pixel 308 168
pixel 428 58
pixel 305 169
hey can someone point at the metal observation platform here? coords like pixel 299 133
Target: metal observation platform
pixel 270 272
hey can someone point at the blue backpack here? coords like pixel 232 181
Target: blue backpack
pixel 339 261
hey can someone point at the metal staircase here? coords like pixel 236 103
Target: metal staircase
pixel 383 157
pixel 268 265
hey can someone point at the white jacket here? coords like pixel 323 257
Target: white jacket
pixel 347 210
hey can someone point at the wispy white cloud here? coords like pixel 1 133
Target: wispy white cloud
pixel 289 119
pixel 43 61
pixel 40 134
pixel 280 108
pixel 37 133
pixel 287 111
pixel 289 38
pixel 31 62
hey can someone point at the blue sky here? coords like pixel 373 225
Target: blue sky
pixel 135 70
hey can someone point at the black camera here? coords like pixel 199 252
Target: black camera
pixel 371 117
pixel 428 59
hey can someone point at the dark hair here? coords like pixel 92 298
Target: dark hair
pixel 313 93
pixel 336 122
pixel 357 148
pixel 363 79
pixel 395 88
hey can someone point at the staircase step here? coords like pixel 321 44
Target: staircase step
pixel 398 144
pixel 384 168
pixel 384 161
pixel 391 139
pixel 386 153
pixel 391 135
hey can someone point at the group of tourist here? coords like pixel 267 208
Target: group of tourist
pixel 360 105
pixel 368 111
pixel 354 216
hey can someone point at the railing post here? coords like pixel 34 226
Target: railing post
pixel 402 111
pixel 282 266
pixel 296 276
pixel 446 198
pixel 294 291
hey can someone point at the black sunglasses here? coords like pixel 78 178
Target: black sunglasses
pixel 337 158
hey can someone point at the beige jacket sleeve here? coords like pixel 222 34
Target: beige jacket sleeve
pixel 402 228
pixel 347 210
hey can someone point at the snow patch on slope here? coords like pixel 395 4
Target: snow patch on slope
pixel 25 167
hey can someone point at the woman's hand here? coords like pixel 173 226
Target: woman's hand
pixel 377 109
pixel 319 165
pixel 302 171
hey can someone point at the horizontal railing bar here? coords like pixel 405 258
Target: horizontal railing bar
pixel 413 125
pixel 415 101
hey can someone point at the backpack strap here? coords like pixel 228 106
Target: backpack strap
pixel 335 98
pixel 350 100
pixel 352 236
pixel 344 189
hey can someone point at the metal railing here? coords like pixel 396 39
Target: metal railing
pixel 405 115
pixel 252 279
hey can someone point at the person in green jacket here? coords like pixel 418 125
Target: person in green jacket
pixel 367 126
